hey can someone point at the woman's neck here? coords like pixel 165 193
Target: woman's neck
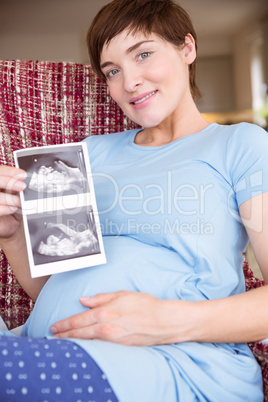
pixel 173 128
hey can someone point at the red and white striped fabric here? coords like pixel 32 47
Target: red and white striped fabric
pixel 47 103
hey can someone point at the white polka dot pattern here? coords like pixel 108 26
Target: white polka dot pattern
pixel 49 370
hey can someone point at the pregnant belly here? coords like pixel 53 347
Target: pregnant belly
pixel 131 265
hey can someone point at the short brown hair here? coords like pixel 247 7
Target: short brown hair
pixel 164 18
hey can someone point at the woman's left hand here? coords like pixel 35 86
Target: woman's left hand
pixel 124 317
pixel 140 319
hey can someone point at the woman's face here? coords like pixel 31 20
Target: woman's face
pixel 148 77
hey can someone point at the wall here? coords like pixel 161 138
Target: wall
pixel 265 47
pixel 215 81
pixel 46 30
pixel 50 47
pixel 242 66
pixel 56 30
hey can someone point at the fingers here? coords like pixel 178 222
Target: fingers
pixel 6 170
pixel 73 323
pixel 9 203
pixel 91 324
pixel 11 182
pixel 99 299
pixel 105 332
pixel 86 319
pixel 11 179
pixel 80 333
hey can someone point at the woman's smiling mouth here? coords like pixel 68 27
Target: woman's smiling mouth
pixel 140 99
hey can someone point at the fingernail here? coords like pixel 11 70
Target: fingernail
pixel 21 175
pixel 13 209
pixel 86 298
pixel 19 185
pixel 53 330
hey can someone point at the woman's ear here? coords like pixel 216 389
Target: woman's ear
pixel 189 49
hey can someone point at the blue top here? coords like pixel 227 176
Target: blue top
pixel 171 227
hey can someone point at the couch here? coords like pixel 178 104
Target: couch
pixel 47 103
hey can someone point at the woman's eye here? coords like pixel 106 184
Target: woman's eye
pixel 144 55
pixel 111 73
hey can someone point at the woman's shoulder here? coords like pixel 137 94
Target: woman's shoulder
pixel 247 140
pixel 234 140
pixel 241 132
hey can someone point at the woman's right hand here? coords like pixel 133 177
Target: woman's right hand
pixel 11 182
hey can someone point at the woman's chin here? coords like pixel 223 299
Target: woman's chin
pixel 147 122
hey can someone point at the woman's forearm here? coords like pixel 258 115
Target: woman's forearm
pixel 16 253
pixel 239 318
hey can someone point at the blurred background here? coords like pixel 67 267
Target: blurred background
pixel 232 67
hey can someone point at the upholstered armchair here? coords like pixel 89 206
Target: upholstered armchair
pixel 45 103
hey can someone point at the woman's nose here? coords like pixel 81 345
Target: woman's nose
pixel 131 81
